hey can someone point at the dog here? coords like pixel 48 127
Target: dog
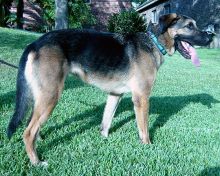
pixel 115 63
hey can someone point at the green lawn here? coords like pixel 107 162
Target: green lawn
pixel 184 123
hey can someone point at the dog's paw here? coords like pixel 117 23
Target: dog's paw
pixel 43 164
pixel 146 141
pixel 40 164
pixel 39 138
pixel 104 133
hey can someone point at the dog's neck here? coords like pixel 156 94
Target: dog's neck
pixel 156 42
pixel 168 42
pixel 163 38
pixel 163 45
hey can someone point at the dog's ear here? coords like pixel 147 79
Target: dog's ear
pixel 167 20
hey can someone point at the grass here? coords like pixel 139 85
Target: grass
pixel 184 123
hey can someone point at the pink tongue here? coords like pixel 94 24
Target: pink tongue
pixel 192 53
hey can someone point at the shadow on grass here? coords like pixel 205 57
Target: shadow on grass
pixel 167 106
pixel 72 82
pixel 7 98
pixel 94 120
pixel 164 106
pixel 214 171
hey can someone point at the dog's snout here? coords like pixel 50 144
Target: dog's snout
pixel 210 34
pixel 208 37
pixel 213 34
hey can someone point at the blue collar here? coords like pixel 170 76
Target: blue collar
pixel 156 42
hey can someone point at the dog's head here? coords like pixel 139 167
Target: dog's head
pixel 181 33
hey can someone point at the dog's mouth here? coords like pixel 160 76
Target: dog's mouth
pixel 187 51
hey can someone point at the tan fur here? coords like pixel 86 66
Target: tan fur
pixel 46 75
pixel 167 19
pixel 116 84
pixel 144 73
pixel 168 41
pixel 76 69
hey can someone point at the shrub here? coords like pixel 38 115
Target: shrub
pixel 80 14
pixel 4 12
pixel 126 22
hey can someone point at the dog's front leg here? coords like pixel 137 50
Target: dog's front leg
pixel 141 107
pixel 110 108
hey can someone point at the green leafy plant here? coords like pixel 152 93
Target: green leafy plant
pixel 127 22
pixel 4 12
pixel 79 14
pixel 48 7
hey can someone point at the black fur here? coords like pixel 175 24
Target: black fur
pixel 96 52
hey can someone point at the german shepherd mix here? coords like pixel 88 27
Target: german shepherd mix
pixel 115 63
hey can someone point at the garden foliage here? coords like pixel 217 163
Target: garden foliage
pixel 127 22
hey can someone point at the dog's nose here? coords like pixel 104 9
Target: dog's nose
pixel 212 34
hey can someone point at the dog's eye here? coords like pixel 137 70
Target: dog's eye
pixel 190 26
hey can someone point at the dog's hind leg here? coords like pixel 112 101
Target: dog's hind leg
pixel 46 79
pixel 44 105
pixel 110 108
pixel 40 114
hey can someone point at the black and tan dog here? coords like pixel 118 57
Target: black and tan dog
pixel 114 63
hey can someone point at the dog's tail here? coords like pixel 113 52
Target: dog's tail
pixel 23 96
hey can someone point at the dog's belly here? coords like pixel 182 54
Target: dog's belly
pixel 110 85
pixel 113 82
